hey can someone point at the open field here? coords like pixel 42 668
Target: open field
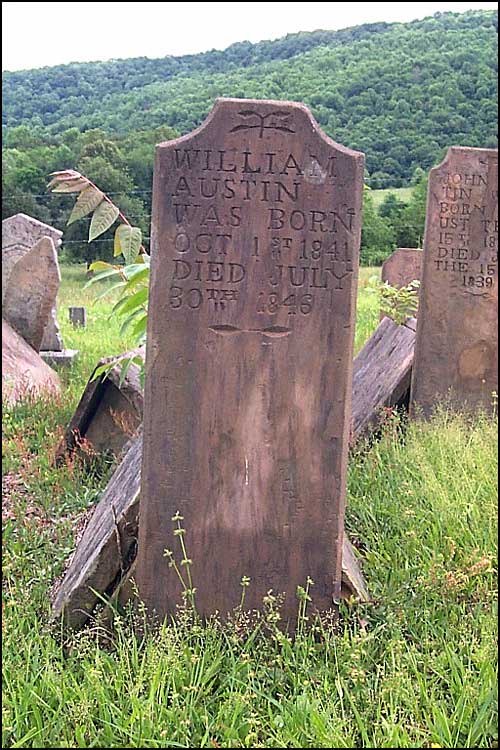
pixel 403 193
pixel 415 667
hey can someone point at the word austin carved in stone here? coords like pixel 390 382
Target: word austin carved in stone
pixel 456 353
pixel 256 232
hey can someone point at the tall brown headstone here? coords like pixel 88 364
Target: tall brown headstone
pixel 456 354
pixel 256 232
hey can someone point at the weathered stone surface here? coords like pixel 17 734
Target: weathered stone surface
pixel 59 358
pixel 23 371
pixel 382 374
pixel 105 555
pixel 108 413
pixel 402 267
pixel 78 316
pixel 32 291
pixel 256 228
pixel 107 547
pixel 456 353
pixel 19 233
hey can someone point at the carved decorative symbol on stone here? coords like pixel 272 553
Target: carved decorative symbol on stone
pixel 280 123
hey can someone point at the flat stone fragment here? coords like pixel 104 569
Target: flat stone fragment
pixel 382 374
pixel 19 233
pixel 456 351
pixel 32 291
pixel 23 370
pixel 107 547
pixel 256 227
pixel 109 411
pixel 61 358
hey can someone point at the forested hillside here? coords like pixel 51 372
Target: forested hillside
pixel 402 93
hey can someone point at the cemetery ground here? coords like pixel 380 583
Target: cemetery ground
pixel 413 667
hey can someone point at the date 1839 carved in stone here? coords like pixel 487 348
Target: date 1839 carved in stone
pixel 456 351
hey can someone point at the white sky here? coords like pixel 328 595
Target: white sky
pixel 39 34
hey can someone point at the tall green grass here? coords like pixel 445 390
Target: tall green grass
pixel 414 667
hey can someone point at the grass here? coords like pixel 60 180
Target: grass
pixel 403 193
pixel 415 667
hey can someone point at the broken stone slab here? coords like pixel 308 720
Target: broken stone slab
pixel 382 374
pixel 61 358
pixel 32 291
pixel 107 547
pixel 108 413
pixel 23 370
pixel 19 233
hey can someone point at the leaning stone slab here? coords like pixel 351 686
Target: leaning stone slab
pixel 61 358
pixel 456 351
pixel 23 370
pixel 108 413
pixel 382 374
pixel 32 290
pixel 108 545
pixel 19 233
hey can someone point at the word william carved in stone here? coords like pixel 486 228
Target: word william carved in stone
pixel 256 228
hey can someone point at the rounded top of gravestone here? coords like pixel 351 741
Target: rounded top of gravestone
pixel 22 229
pixel 261 119
pixel 466 155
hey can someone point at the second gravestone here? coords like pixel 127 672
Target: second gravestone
pixel 456 351
pixel 256 233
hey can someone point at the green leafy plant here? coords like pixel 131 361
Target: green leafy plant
pixel 132 277
pixel 399 304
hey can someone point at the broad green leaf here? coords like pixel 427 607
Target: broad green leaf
pixel 127 242
pixel 102 275
pixel 130 319
pixel 102 370
pixel 87 201
pixel 134 301
pixel 71 186
pixel 108 291
pixel 130 271
pixel 104 216
pixel 100 265
pixel 125 367
pixel 140 327
pixel 137 278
